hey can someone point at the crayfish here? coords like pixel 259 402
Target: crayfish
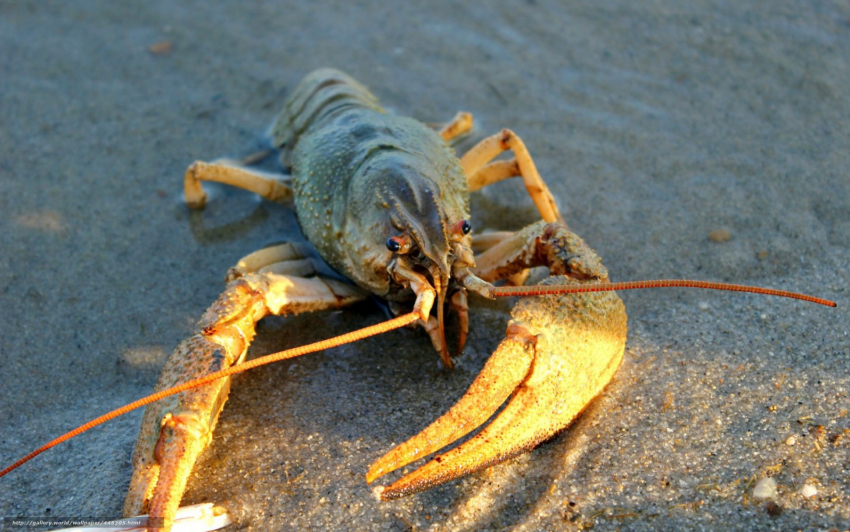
pixel 384 201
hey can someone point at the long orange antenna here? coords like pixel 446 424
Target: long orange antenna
pixel 401 321
pixel 353 336
pixel 541 290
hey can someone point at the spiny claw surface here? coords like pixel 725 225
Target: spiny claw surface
pixel 559 353
pixel 177 429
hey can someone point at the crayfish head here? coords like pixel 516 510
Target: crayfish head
pixel 426 242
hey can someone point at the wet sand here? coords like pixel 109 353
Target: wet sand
pixel 654 125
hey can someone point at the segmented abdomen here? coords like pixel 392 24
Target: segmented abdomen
pixel 319 97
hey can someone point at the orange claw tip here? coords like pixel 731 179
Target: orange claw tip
pixel 386 464
pixel 371 475
pixel 374 473
pixel 387 493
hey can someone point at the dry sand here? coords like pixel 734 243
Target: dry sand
pixel 654 123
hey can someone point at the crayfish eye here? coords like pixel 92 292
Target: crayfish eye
pixel 400 244
pixel 460 228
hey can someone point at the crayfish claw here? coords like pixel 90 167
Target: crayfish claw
pixel 174 433
pixel 500 376
pixel 559 353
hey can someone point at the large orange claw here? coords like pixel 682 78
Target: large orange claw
pixel 177 429
pixel 559 353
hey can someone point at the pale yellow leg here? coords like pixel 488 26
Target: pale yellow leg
pixel 483 241
pixel 283 259
pixel 460 124
pixel 486 241
pixel 266 185
pixel 540 244
pixel 485 151
pixel 493 173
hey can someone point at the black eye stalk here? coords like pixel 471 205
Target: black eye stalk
pixel 393 244
pixel 465 227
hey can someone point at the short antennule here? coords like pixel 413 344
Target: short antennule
pixel 540 290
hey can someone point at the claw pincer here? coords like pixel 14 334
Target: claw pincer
pixel 177 429
pixel 559 353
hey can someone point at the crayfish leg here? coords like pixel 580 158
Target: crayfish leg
pixel 269 186
pixel 461 124
pixel 480 174
pixel 540 244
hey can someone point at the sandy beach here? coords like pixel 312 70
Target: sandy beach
pixel 706 140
